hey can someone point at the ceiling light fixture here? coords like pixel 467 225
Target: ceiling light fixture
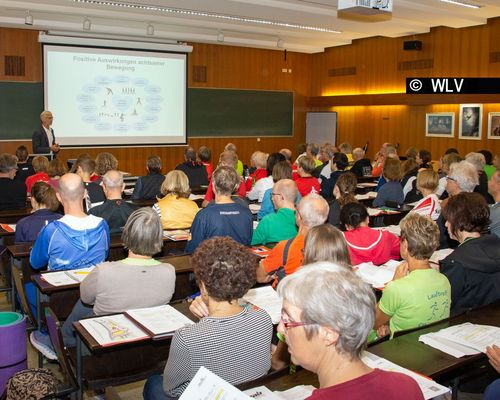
pixel 86 24
pixel 150 30
pixel 280 43
pixel 220 37
pixel 462 3
pixel 206 14
pixel 28 20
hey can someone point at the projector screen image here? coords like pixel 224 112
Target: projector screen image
pixel 106 97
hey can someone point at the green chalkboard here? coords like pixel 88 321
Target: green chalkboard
pixel 20 107
pixel 210 112
pixel 229 112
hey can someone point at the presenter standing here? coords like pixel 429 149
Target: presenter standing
pixel 43 139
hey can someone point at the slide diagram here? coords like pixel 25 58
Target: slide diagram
pixel 120 104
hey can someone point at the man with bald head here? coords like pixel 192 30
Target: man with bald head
pixel 43 139
pixel 286 257
pixel 280 225
pixel 114 210
pixel 77 240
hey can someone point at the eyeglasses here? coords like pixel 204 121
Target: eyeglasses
pixel 294 324
pixel 275 194
pixel 449 178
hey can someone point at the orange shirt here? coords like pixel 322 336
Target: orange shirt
pixel 294 260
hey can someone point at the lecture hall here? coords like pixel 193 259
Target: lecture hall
pixel 250 199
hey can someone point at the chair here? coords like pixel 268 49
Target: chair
pixel 18 277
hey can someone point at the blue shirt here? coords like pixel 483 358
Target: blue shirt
pixel 28 228
pixel 232 219
pixel 391 191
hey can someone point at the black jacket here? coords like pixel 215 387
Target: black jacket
pixel 362 167
pixel 473 270
pixel 148 187
pixel 196 173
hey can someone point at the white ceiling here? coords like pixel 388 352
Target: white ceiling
pixel 409 17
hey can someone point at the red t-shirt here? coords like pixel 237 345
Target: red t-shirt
pixel 209 167
pixel 366 244
pixel 377 385
pixel 39 176
pixel 209 196
pixel 307 184
pixel 259 173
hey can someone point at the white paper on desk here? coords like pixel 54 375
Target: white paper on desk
pixel 58 278
pixel 261 393
pixel 205 385
pixel 129 192
pixel 300 392
pixel 477 337
pixel 447 346
pixel 255 224
pixel 394 229
pixel 361 196
pixel 373 212
pixel 377 276
pixel 266 298
pixel 428 387
pixel 113 329
pixel 439 255
pixel 367 185
pixel 79 274
pixel 196 197
pixel 254 208
pixel 160 320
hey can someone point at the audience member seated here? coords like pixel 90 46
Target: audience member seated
pixel 75 241
pixel 325 155
pixel 478 161
pixel 306 183
pixel 326 317
pixel 343 193
pixel 115 211
pixel 24 167
pixel 391 191
pixel 286 257
pixel 138 281
pixel 231 340
pixel 194 170
pixel 386 151
pixel 494 189
pixel 226 159
pixel 492 392
pixel 345 148
pixel 418 295
pixel 57 168
pixel 205 157
pixel 427 183
pixel 224 217
pixel 367 244
pixel 104 162
pixel 280 225
pixel 326 243
pixel 281 170
pixel 95 193
pixel 461 178
pixel 12 192
pixel 239 164
pixel 411 152
pixel 175 209
pixel 489 168
pixel 312 150
pixel 266 183
pixel 258 161
pixel 411 193
pixel 444 167
pixel 44 204
pixel 338 164
pixel 40 165
pixel 473 268
pixel 362 165
pixel 148 187
pixel 288 155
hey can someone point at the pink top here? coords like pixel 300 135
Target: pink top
pixel 371 245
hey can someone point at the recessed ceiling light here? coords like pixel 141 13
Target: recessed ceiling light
pixel 462 3
pixel 150 30
pixel 86 24
pixel 206 14
pixel 28 20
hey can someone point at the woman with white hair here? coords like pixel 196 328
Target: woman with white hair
pixel 329 340
pixel 478 161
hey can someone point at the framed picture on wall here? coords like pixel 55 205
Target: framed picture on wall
pixel 440 124
pixel 494 125
pixel 471 116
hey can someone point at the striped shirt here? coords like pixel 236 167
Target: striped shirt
pixel 236 348
pixel 428 206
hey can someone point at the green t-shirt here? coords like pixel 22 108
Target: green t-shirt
pixel 276 227
pixel 418 299
pixel 489 170
pixel 239 168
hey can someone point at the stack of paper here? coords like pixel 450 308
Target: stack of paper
pixel 266 298
pixel 428 387
pixel 112 330
pixel 373 212
pixel 439 255
pixel 462 340
pixel 394 229
pixel 69 277
pixel 195 197
pixel 300 392
pixel 254 207
pixel 377 276
pixel 367 185
pixel 366 196
pixel 177 234
pixel 129 192
pixel 11 228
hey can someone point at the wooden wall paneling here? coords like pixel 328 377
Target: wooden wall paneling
pixel 24 43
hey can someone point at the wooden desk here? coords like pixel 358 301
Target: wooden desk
pixel 12 216
pixel 123 357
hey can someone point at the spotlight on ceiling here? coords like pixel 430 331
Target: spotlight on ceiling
pixel 87 24
pixel 280 43
pixel 28 20
pixel 150 30
pixel 220 37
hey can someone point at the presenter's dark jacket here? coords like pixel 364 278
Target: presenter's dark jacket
pixel 12 194
pixel 40 142
pixel 473 270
